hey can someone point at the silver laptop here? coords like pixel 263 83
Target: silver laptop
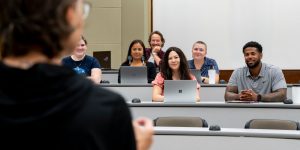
pixel 133 75
pixel 180 91
pixel 197 74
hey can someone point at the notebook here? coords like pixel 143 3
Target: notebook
pixel 180 91
pixel 197 74
pixel 133 75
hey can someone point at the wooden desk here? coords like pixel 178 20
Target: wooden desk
pixel 180 138
pixel 228 115
pixel 208 92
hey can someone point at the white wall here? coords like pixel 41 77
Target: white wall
pixel 226 25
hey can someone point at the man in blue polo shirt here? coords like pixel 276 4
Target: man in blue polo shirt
pixel 257 81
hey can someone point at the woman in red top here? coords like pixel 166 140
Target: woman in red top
pixel 174 67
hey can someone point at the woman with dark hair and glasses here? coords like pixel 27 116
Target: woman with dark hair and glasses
pixel 174 67
pixel 82 63
pixel 136 57
pixel 44 105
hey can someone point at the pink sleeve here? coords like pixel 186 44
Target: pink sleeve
pixel 159 80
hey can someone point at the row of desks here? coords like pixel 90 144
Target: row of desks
pixel 212 106
pixel 228 115
pixel 179 138
pixel 231 117
pixel 208 92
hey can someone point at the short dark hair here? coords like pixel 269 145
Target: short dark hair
pixel 200 42
pixel 36 23
pixel 253 44
pixel 183 68
pixel 161 37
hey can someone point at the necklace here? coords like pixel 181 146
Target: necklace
pixel 78 63
pixel 77 68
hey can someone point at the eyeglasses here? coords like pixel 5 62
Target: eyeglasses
pixel 86 9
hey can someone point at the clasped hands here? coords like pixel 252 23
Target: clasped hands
pixel 248 95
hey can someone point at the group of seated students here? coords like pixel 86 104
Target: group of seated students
pixel 256 81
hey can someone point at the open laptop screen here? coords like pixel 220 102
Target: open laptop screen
pixel 180 91
pixel 133 75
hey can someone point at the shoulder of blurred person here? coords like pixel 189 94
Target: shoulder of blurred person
pixel 64 111
pixel 43 104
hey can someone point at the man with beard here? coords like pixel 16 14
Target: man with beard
pixel 257 81
pixel 155 53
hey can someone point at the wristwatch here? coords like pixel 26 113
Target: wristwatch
pixel 258 97
pixel 154 53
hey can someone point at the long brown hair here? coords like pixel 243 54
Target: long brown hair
pixel 183 68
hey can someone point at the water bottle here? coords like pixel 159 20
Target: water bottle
pixel 211 75
pixel 296 93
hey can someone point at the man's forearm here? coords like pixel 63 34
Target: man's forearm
pixel 273 97
pixel 231 96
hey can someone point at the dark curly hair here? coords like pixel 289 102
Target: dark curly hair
pixel 27 25
pixel 166 71
pixel 253 44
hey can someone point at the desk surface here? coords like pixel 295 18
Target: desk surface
pixel 125 85
pixel 208 92
pixel 226 115
pixel 218 105
pixel 178 138
pixel 236 132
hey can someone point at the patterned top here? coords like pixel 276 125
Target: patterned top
pixel 208 62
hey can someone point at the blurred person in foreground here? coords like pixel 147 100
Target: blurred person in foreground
pixel 44 105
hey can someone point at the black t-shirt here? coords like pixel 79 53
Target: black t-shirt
pixel 83 66
pixel 51 107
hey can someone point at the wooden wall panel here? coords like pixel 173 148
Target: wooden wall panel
pixel 291 76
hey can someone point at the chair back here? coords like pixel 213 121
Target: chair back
pixel 272 124
pixel 175 121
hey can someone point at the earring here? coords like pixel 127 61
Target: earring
pixel 129 59
pixel 143 60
